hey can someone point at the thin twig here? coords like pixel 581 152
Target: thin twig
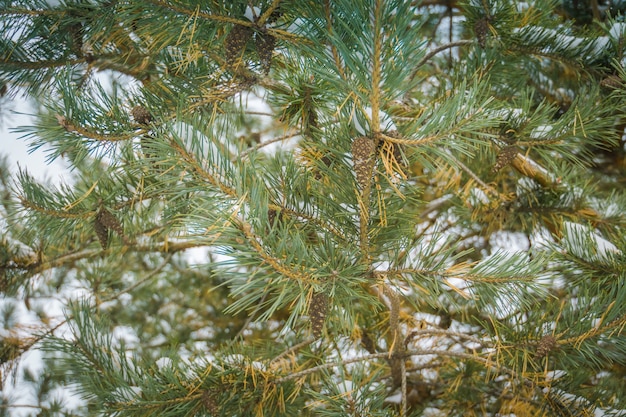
pixel 476 178
pixel 403 370
pixel 250 317
pixel 443 332
pixel 385 355
pixel 260 145
pixel 51 330
pixel 292 349
pixel 439 49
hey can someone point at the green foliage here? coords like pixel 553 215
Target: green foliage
pixel 330 208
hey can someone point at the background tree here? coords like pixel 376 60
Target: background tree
pixel 363 208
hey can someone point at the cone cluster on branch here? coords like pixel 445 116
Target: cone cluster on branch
pixel 237 40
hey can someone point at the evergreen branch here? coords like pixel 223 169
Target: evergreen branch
pixel 33 65
pixel 30 12
pixel 201 172
pixel 317 221
pixel 140 63
pixel 7 406
pixel 447 333
pixel 48 332
pixel 531 169
pixel 71 258
pixel 225 91
pixel 226 19
pixel 476 178
pixel 375 95
pixel 403 401
pixel 268 12
pixel 363 199
pixel 231 192
pixel 292 349
pixel 142 281
pixel 572 62
pixel 275 263
pixel 598 329
pixel 281 239
pixel 251 317
pixel 53 213
pixel 333 47
pixel 99 137
pixel 416 142
pixel 197 13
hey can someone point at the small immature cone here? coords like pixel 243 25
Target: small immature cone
pixel 612 82
pixel 317 313
pixel 481 29
pixel 505 157
pixel 362 158
pixel 265 44
pixel 546 345
pixel 367 342
pixel 209 402
pixel 105 220
pixel 109 221
pixel 102 232
pixel 236 41
pixel 141 115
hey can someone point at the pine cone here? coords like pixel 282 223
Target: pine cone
pixel 362 158
pixel 208 400
pixel 265 44
pixel 109 221
pixel 141 115
pixel 612 82
pixel 104 222
pixel 506 155
pixel 236 41
pixel 102 232
pixel 317 313
pixel 481 29
pixel 274 217
pixel 546 345
pixel 367 342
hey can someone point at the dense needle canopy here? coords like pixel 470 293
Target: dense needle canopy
pixel 315 208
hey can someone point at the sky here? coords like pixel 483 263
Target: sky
pixel 14 114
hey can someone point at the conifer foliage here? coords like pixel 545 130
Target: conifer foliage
pixel 316 208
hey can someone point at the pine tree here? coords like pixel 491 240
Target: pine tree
pixel 318 208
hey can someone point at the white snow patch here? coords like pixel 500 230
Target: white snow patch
pixel 128 393
pixel 164 363
pixel 252 13
pixel 541 132
pixel 581 240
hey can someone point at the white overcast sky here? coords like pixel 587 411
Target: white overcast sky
pixel 14 114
